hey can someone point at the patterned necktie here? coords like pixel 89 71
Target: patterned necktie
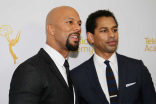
pixel 111 83
pixel 66 65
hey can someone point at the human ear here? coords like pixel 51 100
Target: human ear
pixel 50 29
pixel 90 37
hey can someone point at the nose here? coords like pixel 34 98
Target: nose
pixel 77 28
pixel 111 34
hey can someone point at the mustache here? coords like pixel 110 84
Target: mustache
pixel 112 39
pixel 74 33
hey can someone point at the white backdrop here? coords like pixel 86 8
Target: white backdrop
pixel 137 37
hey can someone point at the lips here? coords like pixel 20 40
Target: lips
pixel 75 36
pixel 112 42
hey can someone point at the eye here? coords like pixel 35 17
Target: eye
pixel 103 30
pixel 115 30
pixel 80 24
pixel 69 22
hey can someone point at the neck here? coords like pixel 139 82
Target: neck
pixel 105 55
pixel 63 52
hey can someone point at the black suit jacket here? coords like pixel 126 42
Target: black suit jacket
pixel 38 81
pixel 131 71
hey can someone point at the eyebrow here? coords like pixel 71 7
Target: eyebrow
pixel 70 18
pixel 107 27
pixel 73 19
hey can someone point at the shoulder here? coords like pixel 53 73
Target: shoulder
pixel 28 77
pixel 33 69
pixel 33 64
pixel 82 67
pixel 127 59
pixel 79 67
pixel 133 64
pixel 33 61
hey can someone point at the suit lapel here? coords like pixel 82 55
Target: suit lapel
pixel 53 67
pixel 58 74
pixel 122 66
pixel 93 78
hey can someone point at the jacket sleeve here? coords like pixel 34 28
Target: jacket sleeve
pixel 25 86
pixel 147 90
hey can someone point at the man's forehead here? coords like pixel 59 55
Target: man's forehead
pixel 67 11
pixel 105 27
pixel 68 16
pixel 106 21
pixel 72 18
pixel 62 13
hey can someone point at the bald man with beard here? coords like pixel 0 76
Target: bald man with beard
pixel 43 78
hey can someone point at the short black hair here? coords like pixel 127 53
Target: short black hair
pixel 91 20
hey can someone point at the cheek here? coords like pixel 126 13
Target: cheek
pixel 61 32
pixel 116 37
pixel 103 37
pixel 61 36
pixel 62 28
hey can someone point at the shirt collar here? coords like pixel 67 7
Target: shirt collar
pixel 54 54
pixel 112 59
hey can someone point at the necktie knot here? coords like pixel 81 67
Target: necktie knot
pixel 66 64
pixel 106 62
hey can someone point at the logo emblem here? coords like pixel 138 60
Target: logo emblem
pixel 6 31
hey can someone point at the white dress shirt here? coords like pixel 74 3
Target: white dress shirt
pixel 59 61
pixel 101 71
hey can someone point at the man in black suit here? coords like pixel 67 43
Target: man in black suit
pixel 42 79
pixel 108 77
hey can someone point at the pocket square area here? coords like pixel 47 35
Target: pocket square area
pixel 130 84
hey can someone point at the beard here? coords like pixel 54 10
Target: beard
pixel 71 47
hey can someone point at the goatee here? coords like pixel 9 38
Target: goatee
pixel 71 47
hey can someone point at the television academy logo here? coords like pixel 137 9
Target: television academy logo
pixel 150 45
pixel 84 47
pixel 6 31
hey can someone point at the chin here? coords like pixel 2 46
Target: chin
pixel 112 50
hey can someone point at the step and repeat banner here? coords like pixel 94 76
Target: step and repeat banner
pixel 22 32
